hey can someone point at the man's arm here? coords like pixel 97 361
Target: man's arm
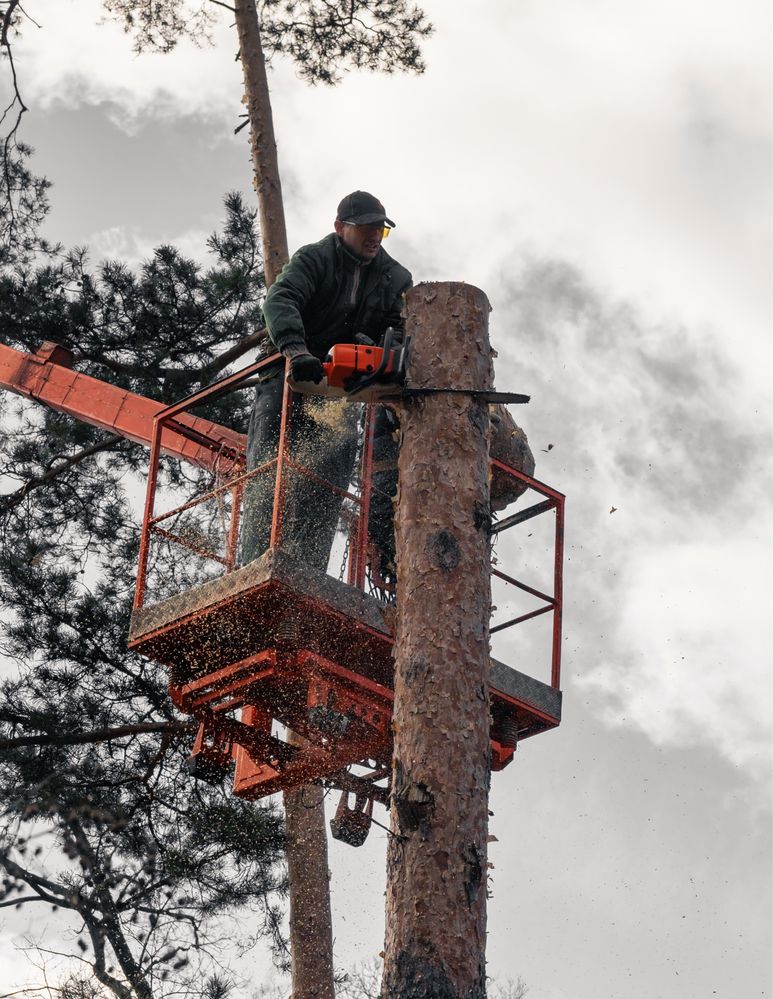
pixel 286 300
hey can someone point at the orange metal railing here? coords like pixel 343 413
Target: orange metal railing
pixel 176 419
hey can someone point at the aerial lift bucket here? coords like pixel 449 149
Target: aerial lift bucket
pixel 272 646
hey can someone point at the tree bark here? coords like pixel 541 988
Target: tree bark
pixel 311 930
pixel 268 185
pixel 307 868
pixel 436 863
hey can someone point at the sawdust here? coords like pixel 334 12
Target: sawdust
pixel 333 414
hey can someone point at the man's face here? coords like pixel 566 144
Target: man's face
pixel 361 240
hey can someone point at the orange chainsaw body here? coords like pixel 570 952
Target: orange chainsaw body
pixel 348 361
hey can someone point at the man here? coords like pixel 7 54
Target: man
pixel 329 292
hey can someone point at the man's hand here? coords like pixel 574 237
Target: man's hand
pixel 306 368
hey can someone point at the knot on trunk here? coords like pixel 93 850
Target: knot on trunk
pixel 443 549
pixel 478 416
pixel 473 871
pixel 481 516
pixel 414 804
pixel 417 977
pixel 417 670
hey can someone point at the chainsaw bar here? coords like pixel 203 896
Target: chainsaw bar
pixel 483 395
pixel 364 372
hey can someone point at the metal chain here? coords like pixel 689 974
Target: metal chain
pixel 345 558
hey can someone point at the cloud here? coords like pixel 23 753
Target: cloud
pixel 667 411
pixel 79 56
pixel 666 615
pixel 691 644
pixel 132 246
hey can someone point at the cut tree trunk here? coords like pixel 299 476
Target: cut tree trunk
pixel 436 864
pixel 311 930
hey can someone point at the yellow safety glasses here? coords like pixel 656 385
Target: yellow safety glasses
pixel 357 225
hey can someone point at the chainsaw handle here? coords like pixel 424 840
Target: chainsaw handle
pixel 375 375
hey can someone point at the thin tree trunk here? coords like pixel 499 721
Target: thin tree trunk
pixel 311 929
pixel 310 922
pixel 268 185
pixel 436 863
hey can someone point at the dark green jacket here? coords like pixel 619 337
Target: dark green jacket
pixel 325 295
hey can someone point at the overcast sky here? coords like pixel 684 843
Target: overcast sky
pixel 602 169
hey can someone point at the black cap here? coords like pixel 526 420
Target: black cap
pixel 361 208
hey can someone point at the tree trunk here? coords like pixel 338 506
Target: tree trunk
pixel 436 863
pixel 311 930
pixel 268 185
pixel 310 923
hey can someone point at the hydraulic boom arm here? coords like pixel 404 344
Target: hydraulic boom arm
pixel 48 377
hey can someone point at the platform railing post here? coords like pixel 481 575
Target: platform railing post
pixel 232 542
pixel 558 595
pixel 279 482
pixel 150 497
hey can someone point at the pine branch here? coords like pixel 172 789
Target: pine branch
pixel 12 500
pixel 119 367
pixel 98 735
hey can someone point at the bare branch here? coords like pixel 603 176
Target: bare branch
pixel 16 902
pixel 109 926
pixel 100 970
pixel 32 990
pixel 10 138
pixel 49 891
pixel 29 17
pixel 223 360
pixel 7 18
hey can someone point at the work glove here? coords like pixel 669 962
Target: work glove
pixel 306 368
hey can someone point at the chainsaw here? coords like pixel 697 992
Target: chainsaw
pixel 362 371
